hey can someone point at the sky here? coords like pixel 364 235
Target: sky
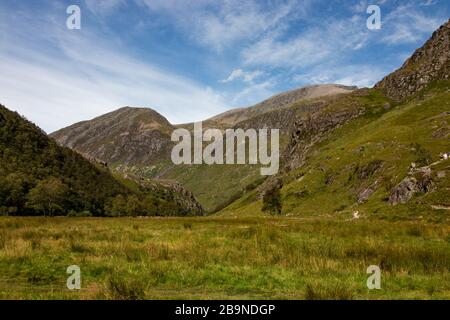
pixel 192 59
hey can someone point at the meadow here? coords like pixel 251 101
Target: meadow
pixel 223 258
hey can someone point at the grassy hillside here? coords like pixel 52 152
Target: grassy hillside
pixel 372 153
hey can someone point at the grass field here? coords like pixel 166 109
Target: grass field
pixel 223 257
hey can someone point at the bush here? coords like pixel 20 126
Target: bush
pixel 272 199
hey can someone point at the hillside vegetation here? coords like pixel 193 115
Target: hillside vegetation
pixel 373 152
pixel 38 177
pixel 356 166
pixel 136 141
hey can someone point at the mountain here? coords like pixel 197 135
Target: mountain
pixel 136 141
pixel 342 147
pixel 37 176
pixel 125 136
pixel 375 151
pixel 232 117
pixel 428 63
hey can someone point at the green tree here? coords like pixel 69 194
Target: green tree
pixel 150 205
pixel 272 199
pixel 47 196
pixel 117 206
pixel 134 206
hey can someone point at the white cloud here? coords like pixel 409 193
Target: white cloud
pixel 253 94
pixel 428 3
pixel 311 47
pixel 219 24
pixel 241 74
pixel 406 25
pixel 349 75
pixel 360 7
pixel 79 75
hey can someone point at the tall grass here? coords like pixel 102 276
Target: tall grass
pixel 314 258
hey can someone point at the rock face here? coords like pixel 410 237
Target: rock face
pixel 141 136
pixel 405 190
pixel 311 128
pixel 125 136
pixel 430 62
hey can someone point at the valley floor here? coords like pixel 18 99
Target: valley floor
pixel 223 258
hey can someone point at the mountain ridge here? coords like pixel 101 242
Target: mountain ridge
pixel 120 136
pixel 429 62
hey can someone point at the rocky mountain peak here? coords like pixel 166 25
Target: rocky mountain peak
pixel 428 63
pixel 128 135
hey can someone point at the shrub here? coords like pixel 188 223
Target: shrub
pixel 272 200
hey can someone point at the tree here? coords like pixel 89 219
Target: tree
pixel 47 196
pixel 272 198
pixel 134 206
pixel 150 205
pixel 117 206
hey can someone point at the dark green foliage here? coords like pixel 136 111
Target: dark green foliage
pixel 38 177
pixel 272 199
pixel 48 196
pixel 148 205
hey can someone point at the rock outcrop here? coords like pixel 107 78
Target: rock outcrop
pixel 430 62
pixel 421 181
pixel 311 128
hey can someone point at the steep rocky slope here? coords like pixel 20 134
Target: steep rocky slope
pixel 384 162
pixel 428 63
pixel 125 136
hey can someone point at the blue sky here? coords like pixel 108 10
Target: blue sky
pixel 190 60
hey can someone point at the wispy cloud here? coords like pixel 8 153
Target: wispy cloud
pixel 312 46
pixel 177 55
pixel 246 76
pixel 219 24
pixel 104 7
pixel 407 25
pixel 361 75
pixel 82 75
pixel 427 3
pixel 253 93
